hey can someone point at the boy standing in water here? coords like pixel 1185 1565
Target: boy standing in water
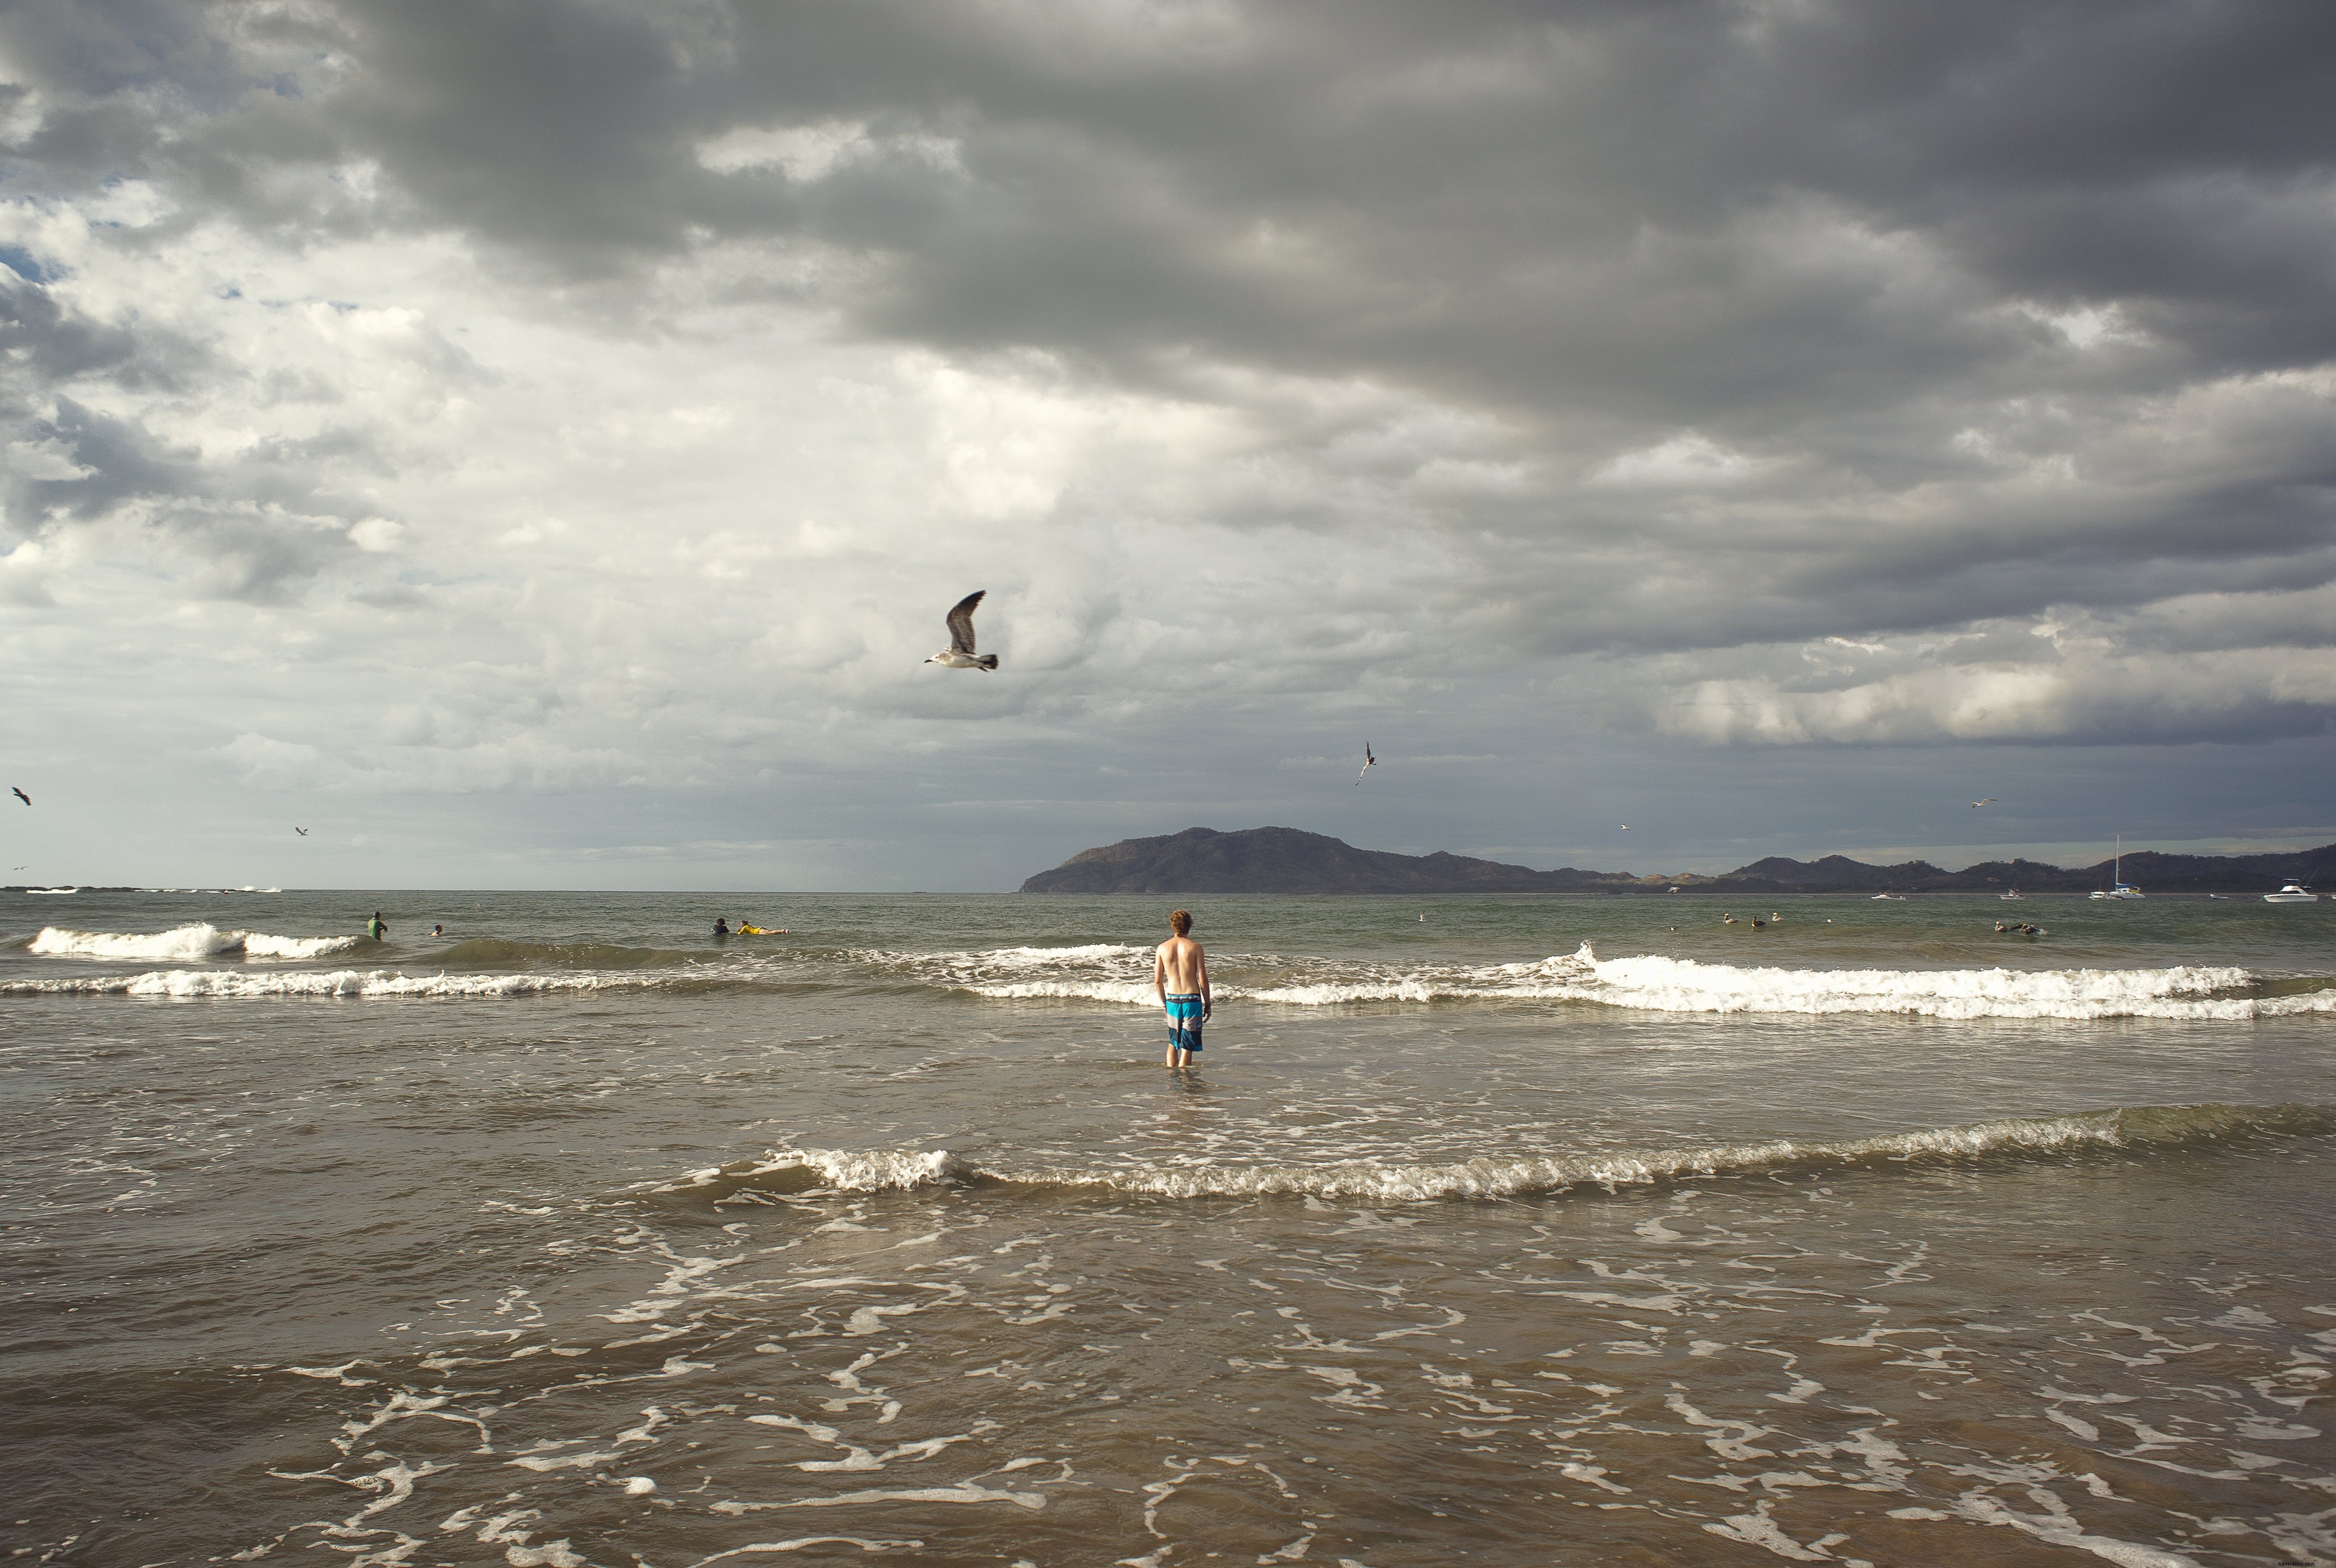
pixel 1180 976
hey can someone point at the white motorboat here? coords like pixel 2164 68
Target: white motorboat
pixel 2119 887
pixel 2009 896
pixel 2292 893
pixel 1887 898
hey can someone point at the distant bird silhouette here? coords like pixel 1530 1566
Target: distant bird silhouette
pixel 1369 761
pixel 302 831
pixel 20 794
pixel 1626 827
pixel 959 653
pixel 1988 802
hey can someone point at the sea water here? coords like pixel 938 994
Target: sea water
pixel 1487 1230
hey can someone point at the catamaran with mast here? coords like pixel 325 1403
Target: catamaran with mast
pixel 2119 887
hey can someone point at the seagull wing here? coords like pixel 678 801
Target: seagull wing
pixel 960 621
pixel 20 794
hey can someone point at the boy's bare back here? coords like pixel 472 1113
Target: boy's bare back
pixel 1180 966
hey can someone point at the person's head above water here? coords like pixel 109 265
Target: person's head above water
pixel 1181 923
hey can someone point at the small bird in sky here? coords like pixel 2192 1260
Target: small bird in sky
pixel 1626 827
pixel 302 831
pixel 959 653
pixel 1988 802
pixel 1369 761
pixel 20 794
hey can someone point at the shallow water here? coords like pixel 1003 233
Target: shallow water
pixel 1533 1230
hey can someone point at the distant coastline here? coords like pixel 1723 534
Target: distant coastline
pixel 1277 860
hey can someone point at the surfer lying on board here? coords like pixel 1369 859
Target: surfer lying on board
pixel 746 929
pixel 1181 965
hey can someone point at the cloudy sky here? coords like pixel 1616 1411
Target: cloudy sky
pixel 533 443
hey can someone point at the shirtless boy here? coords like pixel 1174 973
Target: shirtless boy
pixel 1180 976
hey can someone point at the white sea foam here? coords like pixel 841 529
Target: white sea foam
pixel 1683 985
pixel 840 1170
pixel 1661 984
pixel 1523 1173
pixel 235 983
pixel 186 944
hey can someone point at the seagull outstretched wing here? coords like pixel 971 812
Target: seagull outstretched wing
pixel 960 622
pixel 20 794
pixel 1369 761
pixel 302 831
pixel 1988 802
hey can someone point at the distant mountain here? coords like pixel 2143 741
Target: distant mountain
pixel 1286 860
pixel 2149 870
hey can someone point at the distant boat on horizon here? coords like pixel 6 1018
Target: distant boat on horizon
pixel 2292 893
pixel 1889 898
pixel 2009 895
pixel 2119 887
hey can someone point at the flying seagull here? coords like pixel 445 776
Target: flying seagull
pixel 1988 802
pixel 302 831
pixel 1626 827
pixel 1369 761
pixel 20 794
pixel 959 653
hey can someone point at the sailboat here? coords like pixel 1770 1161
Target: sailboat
pixel 2119 888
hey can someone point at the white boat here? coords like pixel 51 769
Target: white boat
pixel 2120 887
pixel 2292 893
pixel 1887 898
pixel 2009 896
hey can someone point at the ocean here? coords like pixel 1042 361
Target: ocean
pixel 1492 1230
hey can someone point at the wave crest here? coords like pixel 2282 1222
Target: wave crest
pixel 223 983
pixel 1657 984
pixel 186 944
pixel 2138 1127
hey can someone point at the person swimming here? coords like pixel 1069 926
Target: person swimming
pixel 721 926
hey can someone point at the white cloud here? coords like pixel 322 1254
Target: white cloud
pixel 811 152
pixel 378 535
pixel 1687 458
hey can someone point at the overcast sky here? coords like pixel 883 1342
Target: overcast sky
pixel 533 443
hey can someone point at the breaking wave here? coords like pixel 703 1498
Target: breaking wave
pixel 201 983
pixel 1120 976
pixel 186 944
pixel 1659 984
pixel 813 1171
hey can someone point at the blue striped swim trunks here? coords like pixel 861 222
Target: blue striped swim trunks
pixel 1184 1022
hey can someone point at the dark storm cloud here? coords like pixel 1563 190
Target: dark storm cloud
pixel 1603 210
